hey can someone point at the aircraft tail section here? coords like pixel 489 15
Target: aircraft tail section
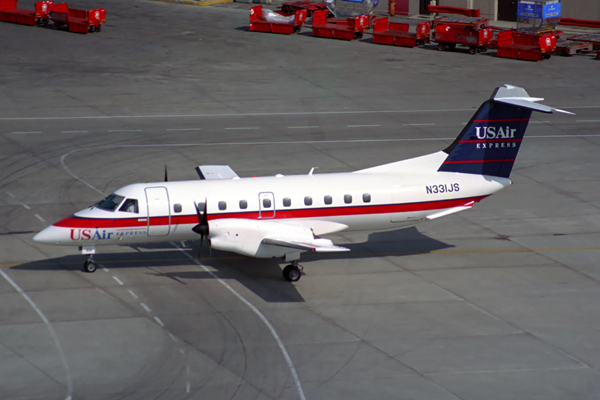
pixel 489 143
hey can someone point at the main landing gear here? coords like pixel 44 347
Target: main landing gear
pixel 292 272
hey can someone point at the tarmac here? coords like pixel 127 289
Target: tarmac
pixel 497 302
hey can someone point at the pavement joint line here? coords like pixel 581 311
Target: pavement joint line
pixel 259 314
pixel 38 216
pixel 158 321
pixel 353 255
pixel 118 280
pixel 50 329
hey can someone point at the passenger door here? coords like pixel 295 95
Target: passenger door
pixel 266 205
pixel 159 215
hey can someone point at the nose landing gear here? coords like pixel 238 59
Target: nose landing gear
pixel 89 265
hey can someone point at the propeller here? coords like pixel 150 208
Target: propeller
pixel 202 227
pixel 166 176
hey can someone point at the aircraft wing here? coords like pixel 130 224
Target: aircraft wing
pixel 210 172
pixel 318 245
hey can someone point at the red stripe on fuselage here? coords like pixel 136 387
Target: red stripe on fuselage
pixel 280 214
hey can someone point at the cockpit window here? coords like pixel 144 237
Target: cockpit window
pixel 110 203
pixel 130 205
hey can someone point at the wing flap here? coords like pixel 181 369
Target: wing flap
pixel 317 245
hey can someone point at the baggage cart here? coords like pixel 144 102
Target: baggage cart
pixel 263 20
pixel 352 28
pixel 79 21
pixel 526 46
pixel 310 7
pixel 569 48
pixel 593 38
pixel 471 32
pixel 397 34
pixel 10 13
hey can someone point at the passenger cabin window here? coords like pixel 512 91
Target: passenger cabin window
pixel 347 198
pixel 328 199
pixel 177 208
pixel 222 205
pixel 243 204
pixel 287 202
pixel 111 203
pixel 366 198
pixel 130 205
pixel 308 201
pixel 267 203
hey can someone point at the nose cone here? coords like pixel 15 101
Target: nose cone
pixel 52 235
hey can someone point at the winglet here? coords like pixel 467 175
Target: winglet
pixel 517 96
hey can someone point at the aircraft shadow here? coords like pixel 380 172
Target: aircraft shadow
pixel 261 276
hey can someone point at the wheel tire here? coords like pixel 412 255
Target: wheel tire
pixel 89 266
pixel 291 273
pixel 441 47
pixel 472 50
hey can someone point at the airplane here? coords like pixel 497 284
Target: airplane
pixel 285 216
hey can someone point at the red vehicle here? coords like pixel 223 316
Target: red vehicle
pixel 397 34
pixel 80 21
pixel 526 46
pixel 309 6
pixel 352 28
pixel 262 20
pixel 472 33
pixel 10 13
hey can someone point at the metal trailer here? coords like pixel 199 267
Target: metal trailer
pixel 310 7
pixel 10 13
pixel 526 46
pixel 569 48
pixel 352 28
pixel 593 38
pixel 79 21
pixel 471 32
pixel 259 23
pixel 397 34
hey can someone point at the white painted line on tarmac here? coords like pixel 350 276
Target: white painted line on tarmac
pixel 132 294
pixel 158 321
pixel 26 206
pixel 181 351
pixel 539 122
pixel 242 128
pixel 38 216
pixel 260 315
pixel 145 307
pixel 124 130
pixel 428 124
pixel 587 120
pixel 303 127
pixel 362 126
pixel 173 338
pixel 26 133
pixel 11 195
pixel 50 329
pixel 103 267
pixel 118 280
pixel 184 129
pixel 74 132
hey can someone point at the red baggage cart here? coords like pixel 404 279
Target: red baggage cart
pixel 394 33
pixel 10 13
pixel 352 28
pixel 526 46
pixel 262 20
pixel 309 6
pixel 475 34
pixel 80 21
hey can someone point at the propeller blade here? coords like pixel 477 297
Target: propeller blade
pixel 166 175
pixel 202 228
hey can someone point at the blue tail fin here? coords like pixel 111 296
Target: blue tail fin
pixel 489 144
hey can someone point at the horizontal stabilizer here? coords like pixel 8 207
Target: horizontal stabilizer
pixel 213 172
pixel 517 96
pixel 318 245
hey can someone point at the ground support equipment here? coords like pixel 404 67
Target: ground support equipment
pixel 397 34
pixel 352 28
pixel 569 48
pixel 579 22
pixel 80 21
pixel 10 13
pixel 471 32
pixel 593 38
pixel 526 46
pixel 260 22
pixel 309 6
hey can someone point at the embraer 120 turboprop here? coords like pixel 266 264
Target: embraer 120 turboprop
pixel 284 216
